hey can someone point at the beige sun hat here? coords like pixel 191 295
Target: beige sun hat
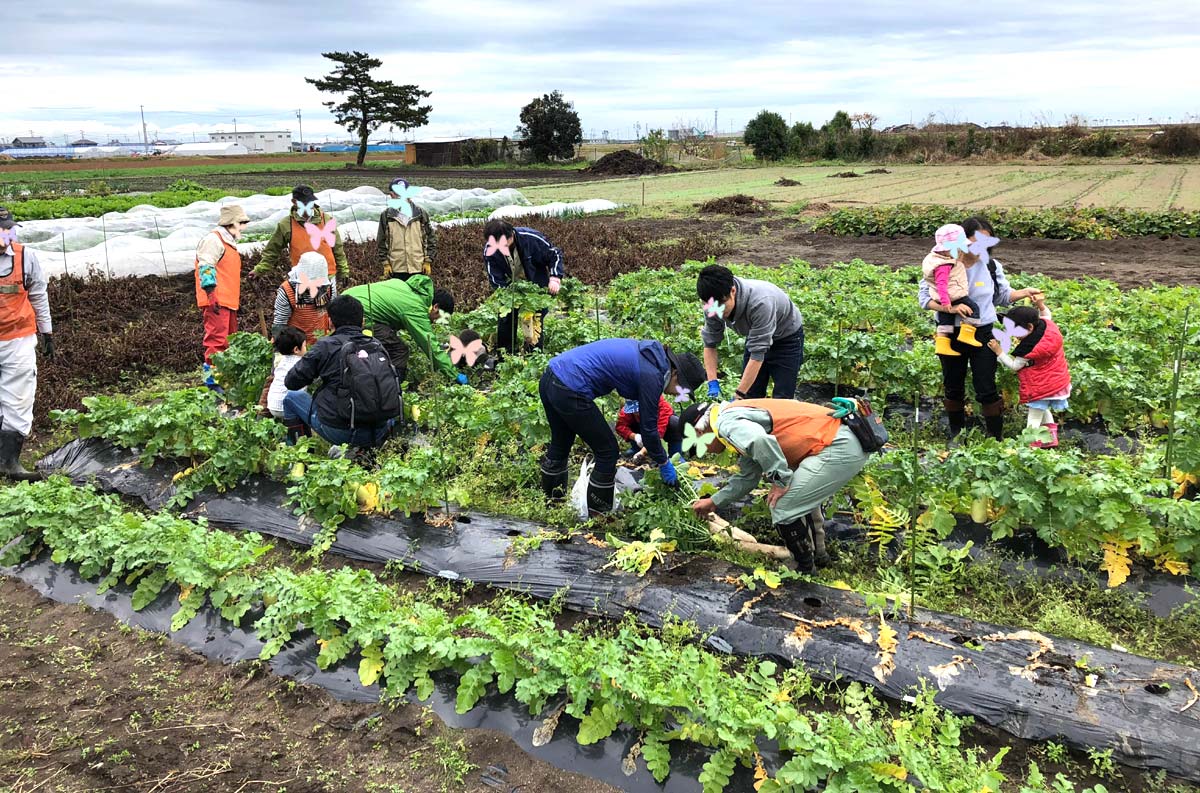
pixel 232 213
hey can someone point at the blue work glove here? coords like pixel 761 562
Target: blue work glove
pixel 667 470
pixel 461 379
pixel 714 389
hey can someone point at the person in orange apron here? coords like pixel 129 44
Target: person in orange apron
pixel 291 234
pixel 24 319
pixel 219 283
pixel 303 298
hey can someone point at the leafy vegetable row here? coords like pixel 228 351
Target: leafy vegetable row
pixel 666 689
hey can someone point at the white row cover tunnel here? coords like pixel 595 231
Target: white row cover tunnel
pixel 148 240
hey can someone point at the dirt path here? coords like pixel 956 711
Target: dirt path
pixel 89 704
pixel 1129 262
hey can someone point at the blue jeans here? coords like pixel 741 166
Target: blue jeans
pixel 781 364
pixel 297 406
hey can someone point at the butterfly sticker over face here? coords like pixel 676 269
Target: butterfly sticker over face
pixel 7 237
pixel 306 210
pixel 402 203
pixel 714 309
pixel 682 394
pixel 1012 333
pixel 465 353
pixel 696 443
pixel 310 286
pixel 981 244
pixel 494 245
pixel 318 235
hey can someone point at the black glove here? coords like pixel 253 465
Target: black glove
pixel 47 340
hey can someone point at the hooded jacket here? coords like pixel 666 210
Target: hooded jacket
pixel 324 360
pixel 540 260
pixel 1047 374
pixel 404 305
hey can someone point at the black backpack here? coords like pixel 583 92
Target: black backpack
pixel 369 394
pixel 866 425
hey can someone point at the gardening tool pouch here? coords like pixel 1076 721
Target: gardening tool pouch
pixel 867 426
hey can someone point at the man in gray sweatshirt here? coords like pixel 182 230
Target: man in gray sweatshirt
pixel 771 323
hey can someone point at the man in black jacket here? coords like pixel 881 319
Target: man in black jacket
pixel 324 413
pixel 515 254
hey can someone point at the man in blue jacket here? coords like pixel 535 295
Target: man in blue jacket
pixel 641 370
pixel 514 254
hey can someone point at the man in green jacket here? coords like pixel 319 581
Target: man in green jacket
pixel 291 236
pixel 413 305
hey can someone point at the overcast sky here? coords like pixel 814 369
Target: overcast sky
pixel 84 65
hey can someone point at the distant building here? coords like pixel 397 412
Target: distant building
pixel 28 143
pixel 83 142
pixel 265 142
pixel 439 151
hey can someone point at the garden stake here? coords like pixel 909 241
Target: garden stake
pixel 912 511
pixel 64 247
pixel 104 231
pixel 158 236
pixel 597 317
pixel 837 378
pixel 1173 403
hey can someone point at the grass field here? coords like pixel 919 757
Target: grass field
pixel 1156 186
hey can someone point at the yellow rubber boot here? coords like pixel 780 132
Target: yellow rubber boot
pixel 941 345
pixel 966 334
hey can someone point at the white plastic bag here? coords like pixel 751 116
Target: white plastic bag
pixel 579 491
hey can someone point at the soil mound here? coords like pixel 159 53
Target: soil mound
pixel 879 170
pixel 844 175
pixel 783 181
pixel 739 204
pixel 626 163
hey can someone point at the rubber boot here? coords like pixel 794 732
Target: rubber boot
pixel 10 458
pixel 797 536
pixel 966 334
pixel 600 496
pixel 993 418
pixel 554 479
pixel 941 345
pixel 820 555
pixel 956 415
pixel 1053 442
pixel 296 431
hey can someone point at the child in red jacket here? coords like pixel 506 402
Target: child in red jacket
pixel 1041 367
pixel 669 428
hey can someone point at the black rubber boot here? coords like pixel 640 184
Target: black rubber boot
pixel 820 555
pixel 296 431
pixel 797 536
pixel 10 458
pixel 600 496
pixel 554 479
pixel 993 418
pixel 956 415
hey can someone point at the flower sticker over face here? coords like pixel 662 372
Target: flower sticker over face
pixel 321 234
pixel 494 245
pixel 696 443
pixel 981 244
pixel 468 353
pixel 8 237
pixel 1012 333
pixel 682 394
pixel 714 309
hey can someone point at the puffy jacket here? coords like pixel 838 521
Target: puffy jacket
pixel 625 421
pixel 324 360
pixel 634 369
pixel 1047 374
pixel 404 305
pixel 539 259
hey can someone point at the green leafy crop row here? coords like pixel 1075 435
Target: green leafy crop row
pixel 1060 223
pixel 668 690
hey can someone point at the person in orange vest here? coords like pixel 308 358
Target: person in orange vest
pixel 292 235
pixel 24 320
pixel 801 450
pixel 219 283
pixel 302 300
